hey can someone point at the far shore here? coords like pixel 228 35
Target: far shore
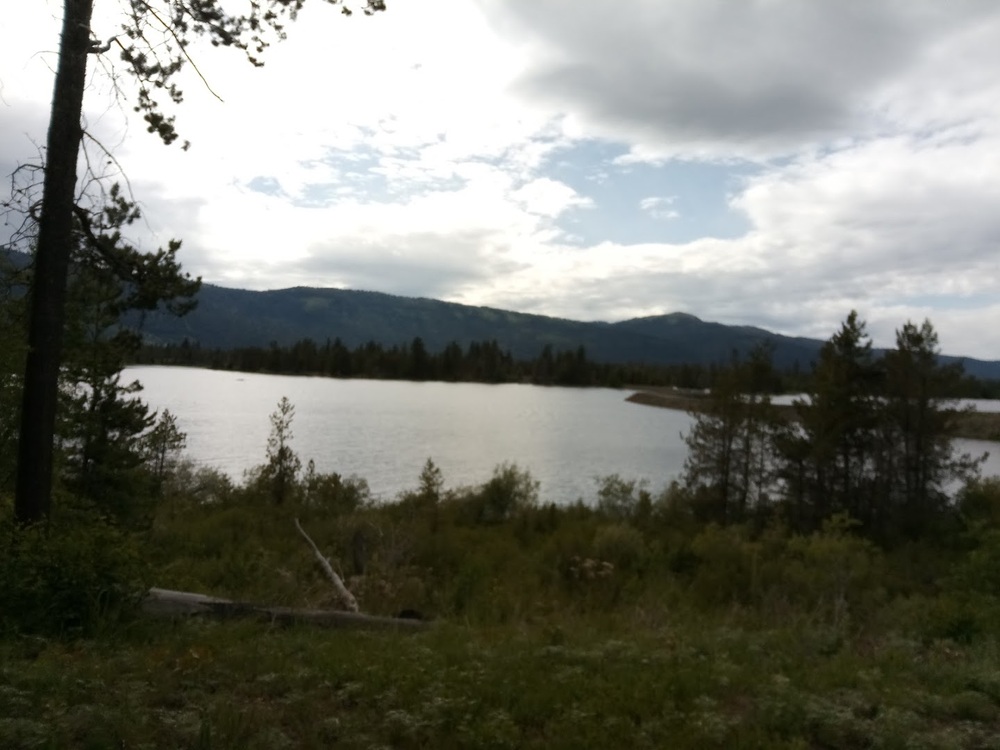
pixel 973 425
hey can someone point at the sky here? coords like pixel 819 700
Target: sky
pixel 774 163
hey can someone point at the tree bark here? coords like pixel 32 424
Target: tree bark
pixel 48 293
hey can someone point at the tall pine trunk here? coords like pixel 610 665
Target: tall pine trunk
pixel 52 255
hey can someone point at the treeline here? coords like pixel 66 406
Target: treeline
pixel 483 362
pixel 870 441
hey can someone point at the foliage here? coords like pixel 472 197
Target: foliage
pixel 624 620
pixel 690 684
pixel 332 492
pixel 829 463
pixel 730 466
pixel 631 618
pixel 431 487
pixel 622 499
pixel 872 440
pixel 69 578
pixel 509 491
pixel 153 43
pixel 104 430
pixel 917 417
pixel 558 627
pixel 279 476
pixel 163 446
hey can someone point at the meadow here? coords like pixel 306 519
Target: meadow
pixel 622 622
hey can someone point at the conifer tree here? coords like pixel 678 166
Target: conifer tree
pixel 829 462
pixel 729 466
pixel 281 472
pixel 922 461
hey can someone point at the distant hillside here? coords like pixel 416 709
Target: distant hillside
pixel 227 318
pixel 231 317
pixel 715 342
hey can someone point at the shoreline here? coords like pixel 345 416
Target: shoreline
pixel 974 425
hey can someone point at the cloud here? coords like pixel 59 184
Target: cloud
pixel 488 152
pixel 660 207
pixel 415 264
pixel 717 79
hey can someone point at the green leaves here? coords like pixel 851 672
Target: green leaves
pixel 283 465
pixel 871 440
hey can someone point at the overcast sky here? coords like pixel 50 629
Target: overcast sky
pixel 764 162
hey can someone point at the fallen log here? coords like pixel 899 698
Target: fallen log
pixel 345 596
pixel 172 604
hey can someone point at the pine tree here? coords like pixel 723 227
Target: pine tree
pixel 829 462
pixel 103 423
pixel 729 466
pixel 280 473
pixel 922 461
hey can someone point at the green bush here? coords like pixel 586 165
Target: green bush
pixel 979 570
pixel 725 571
pixel 509 491
pixel 333 492
pixel 620 499
pixel 979 501
pixel 69 580
pixel 622 546
pixel 831 575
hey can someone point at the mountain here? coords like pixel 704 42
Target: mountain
pixel 715 342
pixel 228 318
pixel 233 317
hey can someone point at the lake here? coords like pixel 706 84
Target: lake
pixel 384 430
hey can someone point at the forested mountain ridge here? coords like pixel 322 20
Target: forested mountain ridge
pixel 229 318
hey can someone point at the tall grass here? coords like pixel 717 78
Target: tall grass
pixel 617 623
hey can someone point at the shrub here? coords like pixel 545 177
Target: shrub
pixel 191 483
pixel 510 490
pixel 69 580
pixel 622 546
pixel 620 499
pixel 333 492
pixel 979 501
pixel 832 573
pixel 725 571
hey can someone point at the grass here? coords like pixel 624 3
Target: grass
pixel 553 627
pixel 196 684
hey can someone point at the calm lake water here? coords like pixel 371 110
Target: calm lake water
pixel 384 430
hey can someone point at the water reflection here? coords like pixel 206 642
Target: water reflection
pixel 384 431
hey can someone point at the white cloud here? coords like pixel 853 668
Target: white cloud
pixel 660 207
pixel 419 152
pixel 714 79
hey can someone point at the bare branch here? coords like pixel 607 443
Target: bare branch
pixel 183 48
pixel 111 159
pixel 345 596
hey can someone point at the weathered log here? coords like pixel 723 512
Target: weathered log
pixel 167 603
pixel 345 596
